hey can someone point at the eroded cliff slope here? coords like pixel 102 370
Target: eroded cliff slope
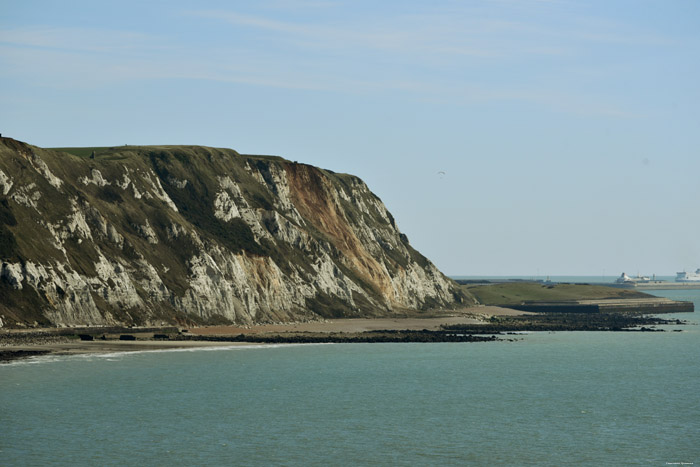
pixel 183 234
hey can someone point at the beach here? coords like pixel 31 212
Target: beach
pixel 28 342
pixel 475 324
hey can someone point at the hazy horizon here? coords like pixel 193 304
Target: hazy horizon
pixel 527 138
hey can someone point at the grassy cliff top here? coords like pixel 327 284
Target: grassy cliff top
pixel 101 151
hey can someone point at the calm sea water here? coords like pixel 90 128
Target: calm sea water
pixel 603 279
pixel 549 399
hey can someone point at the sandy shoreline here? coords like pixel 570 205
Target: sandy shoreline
pixel 66 346
pixel 12 352
pixel 110 346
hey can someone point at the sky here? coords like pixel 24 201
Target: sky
pixel 529 137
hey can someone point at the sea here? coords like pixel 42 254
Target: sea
pixel 562 398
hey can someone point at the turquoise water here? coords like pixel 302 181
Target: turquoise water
pixel 548 399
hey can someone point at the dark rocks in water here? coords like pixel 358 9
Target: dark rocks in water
pixel 384 336
pixel 9 355
pixel 565 322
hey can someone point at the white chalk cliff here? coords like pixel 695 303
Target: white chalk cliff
pixel 181 234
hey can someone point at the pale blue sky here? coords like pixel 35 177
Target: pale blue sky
pixel 568 131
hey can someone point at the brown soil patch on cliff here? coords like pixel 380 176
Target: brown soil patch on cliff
pixel 314 200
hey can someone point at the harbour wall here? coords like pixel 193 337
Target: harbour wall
pixel 651 306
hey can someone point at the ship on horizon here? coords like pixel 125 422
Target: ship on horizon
pixel 688 276
pixel 625 279
pixel 684 280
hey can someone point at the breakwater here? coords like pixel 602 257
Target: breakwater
pixel 642 305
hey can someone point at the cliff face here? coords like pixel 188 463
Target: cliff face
pixel 151 235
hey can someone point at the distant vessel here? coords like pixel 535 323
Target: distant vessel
pixel 688 276
pixel 625 279
pixel 684 281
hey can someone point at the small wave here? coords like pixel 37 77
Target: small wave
pixel 118 355
pixel 126 353
pixel 34 359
